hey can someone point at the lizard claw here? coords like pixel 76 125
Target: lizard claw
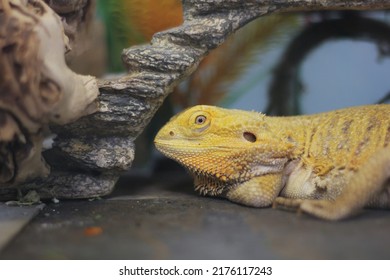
pixel 325 210
pixel 287 203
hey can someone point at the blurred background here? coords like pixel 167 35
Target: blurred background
pixel 281 65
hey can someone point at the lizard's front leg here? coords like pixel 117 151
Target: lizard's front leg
pixel 368 187
pixel 257 192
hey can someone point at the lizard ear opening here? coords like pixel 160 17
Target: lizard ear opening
pixel 249 136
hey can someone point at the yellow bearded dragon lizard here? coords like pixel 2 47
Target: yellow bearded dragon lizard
pixel 328 165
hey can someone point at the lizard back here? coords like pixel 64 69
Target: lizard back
pixel 347 138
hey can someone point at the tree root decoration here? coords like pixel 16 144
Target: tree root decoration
pixel 36 87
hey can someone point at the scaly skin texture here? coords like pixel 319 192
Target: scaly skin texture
pixel 328 165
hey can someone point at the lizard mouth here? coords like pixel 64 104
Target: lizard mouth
pixel 195 147
pixel 173 151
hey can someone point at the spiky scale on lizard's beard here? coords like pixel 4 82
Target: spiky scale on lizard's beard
pixel 210 186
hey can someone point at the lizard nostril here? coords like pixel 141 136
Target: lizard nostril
pixel 171 133
pixel 249 136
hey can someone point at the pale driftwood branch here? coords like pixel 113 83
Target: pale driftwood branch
pixel 36 87
pixel 89 155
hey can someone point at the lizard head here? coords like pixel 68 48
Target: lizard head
pixel 218 146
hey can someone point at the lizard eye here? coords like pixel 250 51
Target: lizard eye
pixel 200 119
